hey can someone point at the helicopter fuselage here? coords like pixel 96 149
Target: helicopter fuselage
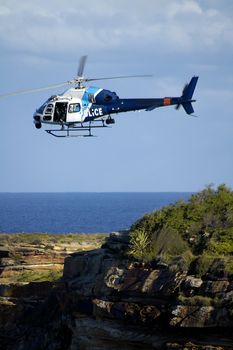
pixel 84 105
pixel 78 106
pixel 80 109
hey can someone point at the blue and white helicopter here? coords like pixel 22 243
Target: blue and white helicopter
pixel 80 109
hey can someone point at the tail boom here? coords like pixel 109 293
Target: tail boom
pixel 185 100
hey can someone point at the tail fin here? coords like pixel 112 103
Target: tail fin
pixel 187 94
pixel 188 107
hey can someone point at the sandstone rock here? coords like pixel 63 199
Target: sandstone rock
pixel 149 281
pixel 6 262
pixel 200 317
pixel 132 312
pixel 213 288
pixel 114 278
pixel 191 285
pixel 191 316
pixel 168 282
pixel 193 282
pixel 83 264
pixel 163 282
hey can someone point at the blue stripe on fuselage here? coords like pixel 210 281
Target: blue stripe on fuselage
pixel 92 110
pixel 86 104
pixel 91 90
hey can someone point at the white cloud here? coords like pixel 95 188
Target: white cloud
pixel 55 27
pixel 184 7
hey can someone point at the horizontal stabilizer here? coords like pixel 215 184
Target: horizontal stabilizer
pixel 188 107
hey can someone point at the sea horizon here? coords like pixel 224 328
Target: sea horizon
pixel 191 192
pixel 79 212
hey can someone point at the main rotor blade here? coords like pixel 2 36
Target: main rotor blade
pixel 21 92
pixel 81 66
pixel 120 77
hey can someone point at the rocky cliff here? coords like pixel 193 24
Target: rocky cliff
pixel 106 301
pixel 30 268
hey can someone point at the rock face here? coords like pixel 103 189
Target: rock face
pixel 30 265
pixel 104 301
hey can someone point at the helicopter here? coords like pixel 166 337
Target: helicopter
pixel 80 109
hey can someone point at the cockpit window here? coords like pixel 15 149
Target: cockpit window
pixel 107 98
pixel 91 98
pixel 52 98
pixel 40 110
pixel 74 107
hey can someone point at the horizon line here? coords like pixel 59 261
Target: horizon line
pixel 25 192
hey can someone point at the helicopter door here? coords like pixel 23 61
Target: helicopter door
pixel 60 112
pixel 74 112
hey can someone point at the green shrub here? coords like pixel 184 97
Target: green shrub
pixel 203 225
pixel 202 264
pixel 139 242
pixel 181 262
pixel 228 266
pixel 168 240
pixel 33 276
pixel 221 242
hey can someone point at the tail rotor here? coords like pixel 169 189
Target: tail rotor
pixel 186 98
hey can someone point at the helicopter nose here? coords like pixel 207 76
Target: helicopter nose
pixel 37 121
pixel 37 118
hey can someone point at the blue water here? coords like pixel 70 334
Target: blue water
pixel 78 212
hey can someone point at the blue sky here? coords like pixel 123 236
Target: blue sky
pixel 163 150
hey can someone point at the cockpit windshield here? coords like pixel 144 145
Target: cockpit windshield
pixel 51 98
pixel 40 110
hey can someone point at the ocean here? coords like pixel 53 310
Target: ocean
pixel 78 212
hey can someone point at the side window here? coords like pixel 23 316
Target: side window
pixel 91 98
pixel 74 108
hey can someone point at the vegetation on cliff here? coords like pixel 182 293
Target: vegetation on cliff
pixel 49 240
pixel 197 234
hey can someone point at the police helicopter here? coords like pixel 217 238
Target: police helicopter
pixel 80 109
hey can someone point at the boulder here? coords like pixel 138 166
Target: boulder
pixel 4 252
pixel 83 264
pixel 193 282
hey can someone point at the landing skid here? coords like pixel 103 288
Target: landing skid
pixel 75 131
